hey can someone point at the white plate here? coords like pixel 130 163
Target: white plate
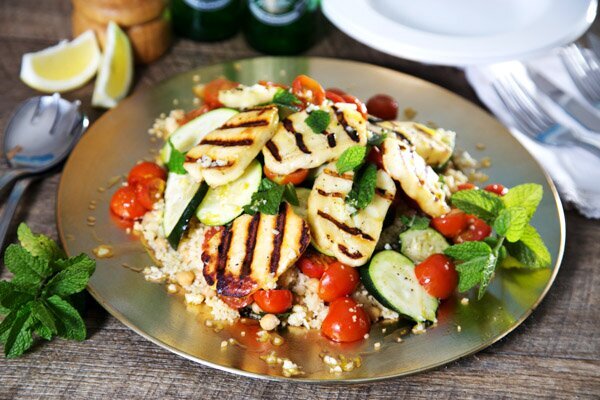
pixel 462 32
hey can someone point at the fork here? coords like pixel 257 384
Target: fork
pixel 533 120
pixel 584 68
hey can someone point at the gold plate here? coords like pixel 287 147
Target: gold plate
pixel 119 138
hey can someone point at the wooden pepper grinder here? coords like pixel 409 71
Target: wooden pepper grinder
pixel 146 22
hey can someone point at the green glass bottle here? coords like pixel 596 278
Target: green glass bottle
pixel 206 20
pixel 282 26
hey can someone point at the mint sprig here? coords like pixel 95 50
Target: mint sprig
pixel 318 121
pixel 513 236
pixel 269 196
pixel 286 99
pixel 352 158
pixel 363 187
pixel 38 299
pixel 176 160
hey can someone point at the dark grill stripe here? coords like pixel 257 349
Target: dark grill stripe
pixel 224 250
pixel 289 126
pixel 228 142
pixel 245 124
pixel 304 237
pixel 331 139
pixel 278 238
pixel 250 245
pixel 330 194
pixel 274 150
pixel 330 172
pixel 384 194
pixel 344 227
pixel 354 255
pixel 227 165
pixel 350 131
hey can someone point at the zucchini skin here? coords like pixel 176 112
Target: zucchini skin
pixel 367 282
pixel 184 221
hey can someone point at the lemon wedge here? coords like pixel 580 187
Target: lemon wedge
pixel 116 69
pixel 66 66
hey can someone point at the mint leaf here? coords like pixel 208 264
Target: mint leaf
pixel 469 273
pixel 286 99
pixel 44 316
pixel 267 199
pixel 376 138
pixel 482 203
pixel 38 245
pixel 363 187
pixel 7 324
pixel 68 321
pixel 415 222
pixel 71 280
pixel 43 331
pixel 29 271
pixel 81 261
pixel 468 250
pixel 318 120
pixel 527 196
pixel 530 250
pixel 486 274
pixel 19 337
pixel 176 161
pixel 511 222
pixel 11 297
pixel 351 159
pixel 290 195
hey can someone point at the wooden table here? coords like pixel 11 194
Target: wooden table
pixel 555 353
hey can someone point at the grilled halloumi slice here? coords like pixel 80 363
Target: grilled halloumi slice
pixel 434 145
pixel 223 154
pixel 254 251
pixel 243 97
pixel 339 230
pixel 295 145
pixel 418 180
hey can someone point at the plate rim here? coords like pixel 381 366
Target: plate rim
pixel 402 50
pixel 276 378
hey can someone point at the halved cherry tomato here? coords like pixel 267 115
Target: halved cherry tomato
pixel 149 191
pixel 143 171
pixel 192 114
pixel 307 89
pixel 451 224
pixel 212 89
pixel 466 186
pixel 497 188
pixel 337 281
pixel 476 230
pixel 313 264
pixel 125 204
pixel 346 321
pixel 376 157
pixel 333 96
pixel 383 106
pixel 437 275
pixel 274 301
pixel 236 302
pixel 272 84
pixel 360 106
pixel 295 178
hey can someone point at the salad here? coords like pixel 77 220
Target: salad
pixel 300 206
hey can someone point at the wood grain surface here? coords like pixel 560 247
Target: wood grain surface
pixel 554 354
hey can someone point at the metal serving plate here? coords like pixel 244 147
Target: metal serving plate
pixel 119 138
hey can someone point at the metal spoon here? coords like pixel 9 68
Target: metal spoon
pixel 39 136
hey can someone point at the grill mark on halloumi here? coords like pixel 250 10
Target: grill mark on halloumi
pixel 272 147
pixel 352 254
pixel 216 166
pixel 384 194
pixel 250 244
pixel 228 143
pixel 289 126
pixel 344 227
pixel 247 124
pixel 330 194
pixel 350 131
pixel 224 249
pixel 330 139
pixel 331 172
pixel 277 241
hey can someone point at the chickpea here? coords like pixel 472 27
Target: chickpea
pixel 269 322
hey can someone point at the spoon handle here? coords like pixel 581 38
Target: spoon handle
pixel 9 177
pixel 11 207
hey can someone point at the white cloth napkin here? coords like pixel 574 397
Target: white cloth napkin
pixel 575 171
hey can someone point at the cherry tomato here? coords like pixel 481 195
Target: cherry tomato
pixel 451 224
pixel 143 171
pixel 212 89
pixel 360 106
pixel 437 275
pixel 196 112
pixel 272 84
pixel 376 157
pixel 274 301
pixel 466 186
pixel 383 106
pixel 337 91
pixel 337 281
pixel 308 89
pixel 497 188
pixel 333 96
pixel 346 321
pixel 476 230
pixel 313 264
pixel 125 204
pixel 236 302
pixel 295 178
pixel 149 192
